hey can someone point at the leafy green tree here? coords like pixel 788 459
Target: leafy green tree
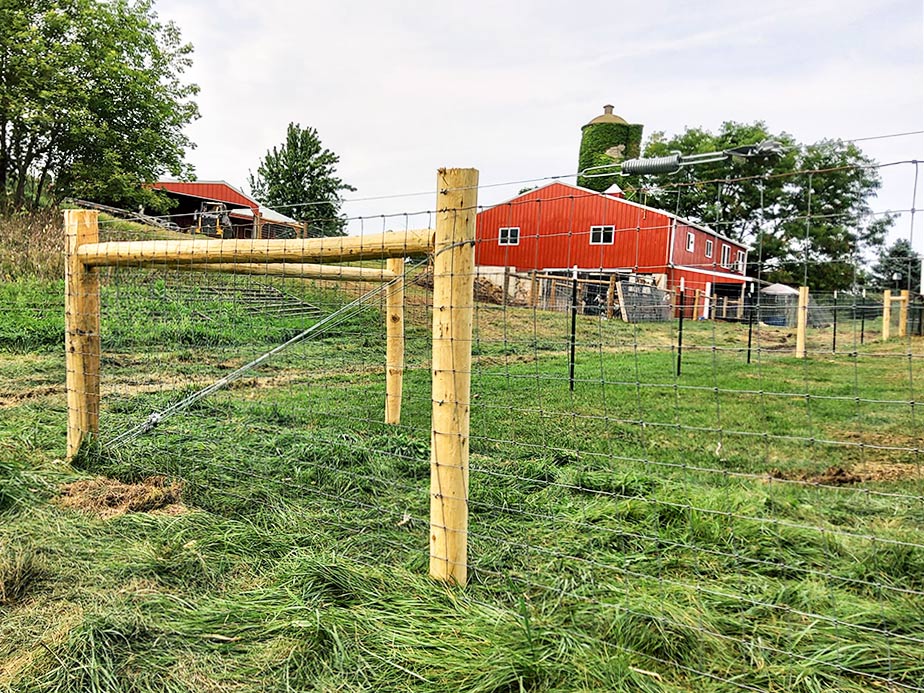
pixel 766 202
pixel 92 100
pixel 898 259
pixel 299 178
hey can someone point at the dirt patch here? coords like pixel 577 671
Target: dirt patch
pixel 13 399
pixel 868 471
pixel 110 498
pixel 898 442
pixel 885 471
pixel 832 476
pixel 485 291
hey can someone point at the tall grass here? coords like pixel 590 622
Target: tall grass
pixel 31 246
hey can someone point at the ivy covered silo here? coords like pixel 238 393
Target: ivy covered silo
pixel 607 139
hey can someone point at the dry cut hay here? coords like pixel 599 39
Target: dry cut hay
pixel 110 498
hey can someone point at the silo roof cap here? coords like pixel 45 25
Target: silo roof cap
pixel 608 117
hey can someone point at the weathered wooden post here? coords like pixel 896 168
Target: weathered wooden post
pixel 394 341
pixel 886 315
pixel 258 224
pixel 801 321
pixel 903 313
pixel 863 319
pixel 81 336
pixel 752 309
pixel 610 297
pixel 453 297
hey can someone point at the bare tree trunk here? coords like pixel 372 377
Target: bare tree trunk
pixel 37 200
pixel 23 173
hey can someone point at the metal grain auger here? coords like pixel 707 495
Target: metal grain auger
pixel 674 161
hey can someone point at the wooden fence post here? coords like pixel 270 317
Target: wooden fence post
pixel 394 342
pixel 610 297
pixel 886 315
pixel 81 336
pixel 903 313
pixel 453 298
pixel 258 225
pixel 533 290
pixel 801 321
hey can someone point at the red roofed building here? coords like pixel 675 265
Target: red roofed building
pixel 248 219
pixel 559 226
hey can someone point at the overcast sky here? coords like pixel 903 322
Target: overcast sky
pixel 400 88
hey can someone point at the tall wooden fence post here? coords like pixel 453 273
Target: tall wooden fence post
pixel 81 336
pixel 453 298
pixel 886 315
pixel 610 297
pixel 903 313
pixel 802 321
pixel 394 342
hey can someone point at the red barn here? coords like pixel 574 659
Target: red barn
pixel 247 217
pixel 555 227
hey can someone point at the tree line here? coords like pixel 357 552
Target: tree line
pixel 806 214
pixel 94 104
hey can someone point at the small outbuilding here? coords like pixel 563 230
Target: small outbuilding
pixel 217 208
pixel 779 306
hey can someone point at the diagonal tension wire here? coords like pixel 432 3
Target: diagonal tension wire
pixel 336 318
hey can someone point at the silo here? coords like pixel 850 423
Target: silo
pixel 607 139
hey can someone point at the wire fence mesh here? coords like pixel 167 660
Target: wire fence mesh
pixel 750 521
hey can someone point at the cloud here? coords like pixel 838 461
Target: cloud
pixel 399 89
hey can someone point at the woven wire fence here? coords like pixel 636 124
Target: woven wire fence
pixel 663 492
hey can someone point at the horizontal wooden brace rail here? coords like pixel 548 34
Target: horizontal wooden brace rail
pixel 339 248
pixel 295 270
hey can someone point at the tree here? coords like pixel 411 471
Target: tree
pixel 766 202
pixel 92 102
pixel 898 259
pixel 299 178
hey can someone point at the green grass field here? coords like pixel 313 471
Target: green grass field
pixel 743 526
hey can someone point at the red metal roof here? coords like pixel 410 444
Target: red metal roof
pixel 218 191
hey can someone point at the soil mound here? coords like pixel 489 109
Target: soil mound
pixel 870 471
pixel 485 291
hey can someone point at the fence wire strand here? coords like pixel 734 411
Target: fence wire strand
pixel 663 460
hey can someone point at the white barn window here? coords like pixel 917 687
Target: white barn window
pixel 726 256
pixel 709 246
pixel 691 241
pixel 739 261
pixel 508 236
pixel 602 235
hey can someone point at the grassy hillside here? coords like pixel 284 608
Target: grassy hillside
pixel 744 526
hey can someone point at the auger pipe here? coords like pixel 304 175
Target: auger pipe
pixel 674 161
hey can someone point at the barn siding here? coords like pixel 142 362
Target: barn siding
pixel 555 221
